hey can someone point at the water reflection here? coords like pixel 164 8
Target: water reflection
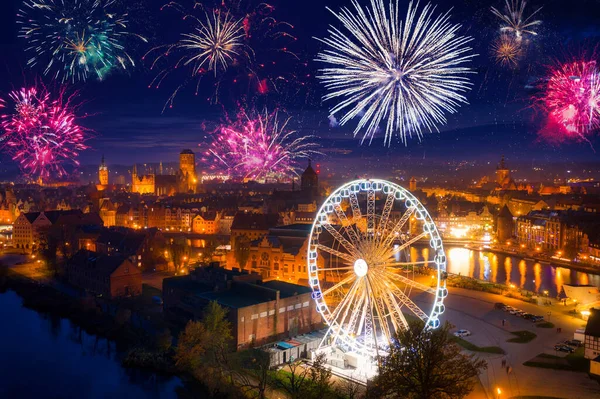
pixel 44 354
pixel 506 269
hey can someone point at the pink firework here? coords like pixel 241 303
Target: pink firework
pixel 259 147
pixel 41 133
pixel 571 100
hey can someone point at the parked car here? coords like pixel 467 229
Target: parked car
pixel 157 300
pixel 507 308
pixel 514 311
pixel 462 333
pixel 528 316
pixel 563 348
pixel 520 313
pixel 499 305
pixel 536 318
pixel 574 342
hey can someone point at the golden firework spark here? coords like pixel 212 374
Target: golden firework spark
pixel 507 51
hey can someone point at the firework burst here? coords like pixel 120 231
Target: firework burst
pixel 507 51
pixel 571 100
pixel 515 21
pixel 41 133
pixel 259 147
pixel 232 43
pixel 406 73
pixel 75 39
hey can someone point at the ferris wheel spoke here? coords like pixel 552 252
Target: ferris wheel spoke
pixel 412 283
pixel 396 310
pixel 371 214
pixel 346 225
pixel 340 238
pixel 338 285
pixel 341 255
pixel 351 310
pixel 406 244
pixel 376 297
pixel 364 314
pixel 406 301
pixel 348 299
pixel 356 214
pixel 398 226
pixel 355 313
pixel 387 209
pixel 396 316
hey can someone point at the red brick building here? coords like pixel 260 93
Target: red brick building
pixel 260 312
pixel 109 276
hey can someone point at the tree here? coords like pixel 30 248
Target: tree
pixel 242 251
pixel 163 340
pixel 350 389
pixel 180 252
pixel 191 347
pixel 218 331
pixel 426 364
pixel 250 372
pixel 319 376
pixel 293 381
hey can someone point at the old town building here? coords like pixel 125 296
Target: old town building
pixel 260 312
pixel 281 254
pixel 206 223
pixel 111 276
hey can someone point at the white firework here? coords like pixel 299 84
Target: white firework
pixel 216 43
pixel 407 73
pixel 514 20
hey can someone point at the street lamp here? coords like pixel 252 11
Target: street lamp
pixel 498 391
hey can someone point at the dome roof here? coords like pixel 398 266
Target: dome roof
pixel 187 151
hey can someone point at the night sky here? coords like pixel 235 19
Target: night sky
pixel 130 126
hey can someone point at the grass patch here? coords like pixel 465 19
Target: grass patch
pixel 545 324
pixel 472 347
pixel 577 361
pixel 522 337
pixel 572 362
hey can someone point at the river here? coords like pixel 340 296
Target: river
pixel 46 357
pixel 509 269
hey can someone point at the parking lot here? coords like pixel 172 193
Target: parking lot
pixel 476 311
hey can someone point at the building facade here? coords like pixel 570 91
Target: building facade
pixel 109 276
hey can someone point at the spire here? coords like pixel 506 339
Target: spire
pixel 102 160
pixel 134 170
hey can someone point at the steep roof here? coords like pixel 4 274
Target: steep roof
pixel 31 216
pixel 593 325
pixel 103 265
pixel 505 213
pixel 254 221
pixel 309 171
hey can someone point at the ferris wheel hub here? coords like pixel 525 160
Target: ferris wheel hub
pixel 361 268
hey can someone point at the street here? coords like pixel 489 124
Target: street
pixel 474 311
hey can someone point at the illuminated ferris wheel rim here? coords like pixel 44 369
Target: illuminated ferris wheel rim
pixel 358 261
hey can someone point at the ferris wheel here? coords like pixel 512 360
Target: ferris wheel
pixel 375 261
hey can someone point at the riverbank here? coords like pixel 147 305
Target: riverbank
pixel 94 316
pixel 577 266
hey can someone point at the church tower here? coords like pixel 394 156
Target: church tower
pixel 412 184
pixel 309 181
pixel 103 173
pixel 502 172
pixel 187 165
